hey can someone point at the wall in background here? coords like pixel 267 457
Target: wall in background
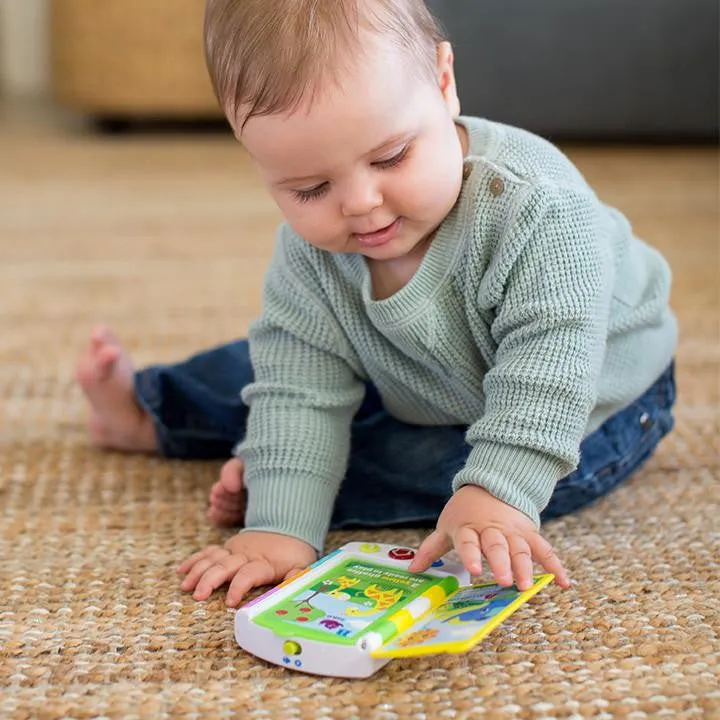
pixel 24 66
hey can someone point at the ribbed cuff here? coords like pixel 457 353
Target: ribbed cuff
pixel 518 476
pixel 295 506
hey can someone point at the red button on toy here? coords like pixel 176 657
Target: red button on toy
pixel 402 554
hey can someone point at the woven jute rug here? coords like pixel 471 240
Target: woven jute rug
pixel 165 238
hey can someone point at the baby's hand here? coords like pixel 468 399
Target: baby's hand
pixel 476 523
pixel 247 560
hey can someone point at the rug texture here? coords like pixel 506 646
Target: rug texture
pixel 166 239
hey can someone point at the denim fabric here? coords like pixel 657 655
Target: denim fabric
pixel 196 404
pixel 398 474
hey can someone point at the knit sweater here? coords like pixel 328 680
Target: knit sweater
pixel 534 316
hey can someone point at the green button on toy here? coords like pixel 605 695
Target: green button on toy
pixel 290 647
pixel 369 548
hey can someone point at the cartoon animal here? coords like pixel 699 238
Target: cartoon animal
pixel 321 589
pixel 343 583
pixel 478 613
pixel 383 599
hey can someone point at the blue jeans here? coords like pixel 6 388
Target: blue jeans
pixel 398 474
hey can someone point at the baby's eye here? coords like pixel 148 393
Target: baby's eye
pixel 392 161
pixel 311 193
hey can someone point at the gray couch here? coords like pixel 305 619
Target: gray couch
pixel 598 69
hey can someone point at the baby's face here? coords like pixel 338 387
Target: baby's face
pixel 370 167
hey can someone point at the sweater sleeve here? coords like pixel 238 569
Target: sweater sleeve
pixel 302 402
pixel 553 277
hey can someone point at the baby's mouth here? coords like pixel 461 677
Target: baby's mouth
pixel 381 236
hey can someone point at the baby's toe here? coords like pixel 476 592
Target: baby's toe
pixel 106 359
pixel 99 337
pixel 85 372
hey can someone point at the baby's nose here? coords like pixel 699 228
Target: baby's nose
pixel 361 199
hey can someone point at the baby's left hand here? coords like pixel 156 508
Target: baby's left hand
pixel 476 523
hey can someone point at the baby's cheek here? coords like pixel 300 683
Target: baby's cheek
pixel 318 229
pixel 408 195
pixel 433 186
pixel 431 195
pixel 444 187
pixel 313 221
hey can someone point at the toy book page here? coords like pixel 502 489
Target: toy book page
pixel 349 599
pixel 464 619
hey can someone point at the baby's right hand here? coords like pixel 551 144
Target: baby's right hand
pixel 247 560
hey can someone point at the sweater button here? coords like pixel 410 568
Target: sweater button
pixel 497 186
pixel 467 169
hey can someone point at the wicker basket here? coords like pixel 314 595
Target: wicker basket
pixel 132 58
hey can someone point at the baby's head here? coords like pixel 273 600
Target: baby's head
pixel 347 108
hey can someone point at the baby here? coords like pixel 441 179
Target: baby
pixel 455 329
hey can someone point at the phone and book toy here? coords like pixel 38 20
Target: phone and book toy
pixel 354 610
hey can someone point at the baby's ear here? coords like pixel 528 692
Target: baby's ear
pixel 446 77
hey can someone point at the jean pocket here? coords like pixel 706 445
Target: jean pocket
pixel 634 437
pixel 616 450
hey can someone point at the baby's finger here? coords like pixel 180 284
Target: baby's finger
pixel 292 573
pixel 521 561
pixel 218 574
pixel 435 545
pixel 467 545
pixel 212 556
pixel 495 548
pixel 232 501
pixel 254 574
pixel 190 562
pixel 543 553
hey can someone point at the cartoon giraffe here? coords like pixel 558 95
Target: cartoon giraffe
pixel 384 599
pixel 344 583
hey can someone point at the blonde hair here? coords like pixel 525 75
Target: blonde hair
pixel 269 56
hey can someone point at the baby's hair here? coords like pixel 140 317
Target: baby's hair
pixel 269 56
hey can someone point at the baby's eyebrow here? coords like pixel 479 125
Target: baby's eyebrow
pixel 390 142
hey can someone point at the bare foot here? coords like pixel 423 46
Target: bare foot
pixel 105 374
pixel 227 496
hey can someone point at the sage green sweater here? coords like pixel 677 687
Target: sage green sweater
pixel 534 316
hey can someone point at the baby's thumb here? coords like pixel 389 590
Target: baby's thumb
pixel 231 476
